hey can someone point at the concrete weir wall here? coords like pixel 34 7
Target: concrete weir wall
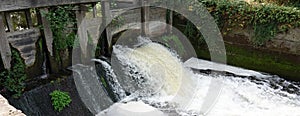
pixel 288 43
pixel 8 110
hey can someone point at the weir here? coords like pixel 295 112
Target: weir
pixel 144 74
pixel 155 76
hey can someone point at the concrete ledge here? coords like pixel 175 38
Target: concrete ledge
pixel 8 110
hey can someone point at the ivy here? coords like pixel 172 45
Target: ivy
pixel 14 79
pixel 266 20
pixel 62 23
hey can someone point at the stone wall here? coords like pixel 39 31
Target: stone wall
pixel 288 43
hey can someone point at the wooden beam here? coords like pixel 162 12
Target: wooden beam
pixel 120 1
pixel 170 22
pixel 28 19
pixel 94 5
pixel 47 31
pixel 4 45
pixel 9 22
pixel 107 16
pixel 82 32
pixel 145 18
pixel 10 5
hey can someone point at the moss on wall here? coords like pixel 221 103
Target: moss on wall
pixel 273 63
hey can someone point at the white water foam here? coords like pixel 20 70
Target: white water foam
pixel 174 87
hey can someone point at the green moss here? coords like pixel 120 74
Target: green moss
pixel 103 81
pixel 258 60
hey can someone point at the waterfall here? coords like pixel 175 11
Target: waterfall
pixel 44 74
pixel 155 76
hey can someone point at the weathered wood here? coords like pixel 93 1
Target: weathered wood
pixel 126 5
pixel 145 18
pixel 4 45
pixel 9 22
pixel 82 32
pixel 9 5
pixel 47 31
pixel 28 19
pixel 170 22
pixel 94 10
pixel 120 1
pixel 25 42
pixel 107 16
pixel 93 26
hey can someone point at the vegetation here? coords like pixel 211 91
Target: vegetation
pixel 14 79
pixel 63 25
pixel 257 60
pixel 266 20
pixel 60 100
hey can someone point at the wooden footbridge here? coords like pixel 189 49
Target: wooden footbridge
pixel 25 39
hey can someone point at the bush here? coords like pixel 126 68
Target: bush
pixel 60 100
pixel 14 79
pixel 266 20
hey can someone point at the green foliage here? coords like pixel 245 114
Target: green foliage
pixel 190 30
pixel 14 78
pixel 62 21
pixel 266 20
pixel 60 100
pixel 117 21
pixel 264 33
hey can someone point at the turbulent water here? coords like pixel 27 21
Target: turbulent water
pixel 162 82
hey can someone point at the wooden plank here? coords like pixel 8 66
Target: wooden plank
pixel 120 1
pixel 126 5
pixel 82 32
pixel 28 19
pixel 4 45
pixel 9 22
pixel 106 15
pixel 9 5
pixel 94 10
pixel 145 18
pixel 170 22
pixel 47 31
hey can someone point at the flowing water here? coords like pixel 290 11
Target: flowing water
pixel 154 75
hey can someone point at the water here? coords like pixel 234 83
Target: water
pixel 156 77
